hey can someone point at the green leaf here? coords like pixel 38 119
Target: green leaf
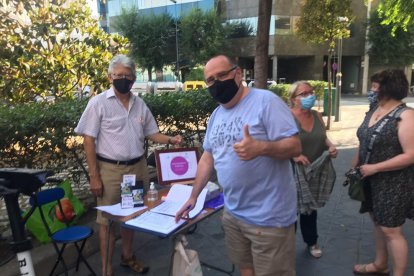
pixel 38 61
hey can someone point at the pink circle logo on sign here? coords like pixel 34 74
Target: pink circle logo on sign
pixel 179 165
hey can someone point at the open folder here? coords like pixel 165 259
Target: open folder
pixel 161 219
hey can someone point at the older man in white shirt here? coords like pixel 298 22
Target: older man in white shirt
pixel 114 125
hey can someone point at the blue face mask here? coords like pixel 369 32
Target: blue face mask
pixel 308 102
pixel 372 97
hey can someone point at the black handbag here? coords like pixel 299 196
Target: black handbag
pixel 353 177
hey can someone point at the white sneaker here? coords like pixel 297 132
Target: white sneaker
pixel 315 251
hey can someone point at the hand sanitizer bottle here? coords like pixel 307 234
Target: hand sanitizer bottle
pixel 152 194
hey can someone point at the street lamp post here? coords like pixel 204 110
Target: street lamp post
pixel 339 74
pixel 177 64
pixel 338 82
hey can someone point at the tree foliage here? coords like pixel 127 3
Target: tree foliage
pixel 397 14
pixel 202 36
pixel 320 21
pixel 325 21
pixel 50 48
pixel 196 74
pixel 238 29
pixel 390 44
pixel 152 38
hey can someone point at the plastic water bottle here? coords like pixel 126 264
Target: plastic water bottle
pixel 152 194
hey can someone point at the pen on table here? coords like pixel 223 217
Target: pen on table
pixel 188 210
pixel 187 216
pixel 183 217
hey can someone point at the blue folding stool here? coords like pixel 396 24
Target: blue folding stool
pixel 71 234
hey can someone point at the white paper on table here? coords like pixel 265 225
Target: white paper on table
pixel 176 197
pixel 155 222
pixel 116 210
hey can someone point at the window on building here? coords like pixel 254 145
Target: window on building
pixel 252 22
pixel 283 25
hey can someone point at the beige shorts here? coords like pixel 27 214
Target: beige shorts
pixel 111 175
pixel 269 250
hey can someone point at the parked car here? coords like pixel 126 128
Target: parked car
pixel 194 85
pixel 269 83
pixel 166 86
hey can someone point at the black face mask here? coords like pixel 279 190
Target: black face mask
pixel 223 91
pixel 123 85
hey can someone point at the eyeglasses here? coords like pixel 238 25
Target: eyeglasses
pixel 122 76
pixel 304 94
pixel 220 76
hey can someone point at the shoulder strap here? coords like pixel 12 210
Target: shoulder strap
pixel 400 110
pixel 393 114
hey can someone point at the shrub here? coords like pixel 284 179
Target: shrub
pixel 182 113
pixel 282 90
pixel 40 135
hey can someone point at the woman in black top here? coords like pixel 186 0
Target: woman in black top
pixel 389 172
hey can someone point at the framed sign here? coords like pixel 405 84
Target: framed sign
pixel 176 165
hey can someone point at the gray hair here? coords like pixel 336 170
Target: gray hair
pixel 294 87
pixel 124 61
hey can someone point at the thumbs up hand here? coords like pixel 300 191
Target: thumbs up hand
pixel 247 148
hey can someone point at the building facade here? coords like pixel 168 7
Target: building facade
pixel 290 58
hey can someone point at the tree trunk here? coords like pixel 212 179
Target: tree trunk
pixel 149 70
pixel 262 44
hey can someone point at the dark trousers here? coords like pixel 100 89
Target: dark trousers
pixel 308 227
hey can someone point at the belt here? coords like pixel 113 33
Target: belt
pixel 125 163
